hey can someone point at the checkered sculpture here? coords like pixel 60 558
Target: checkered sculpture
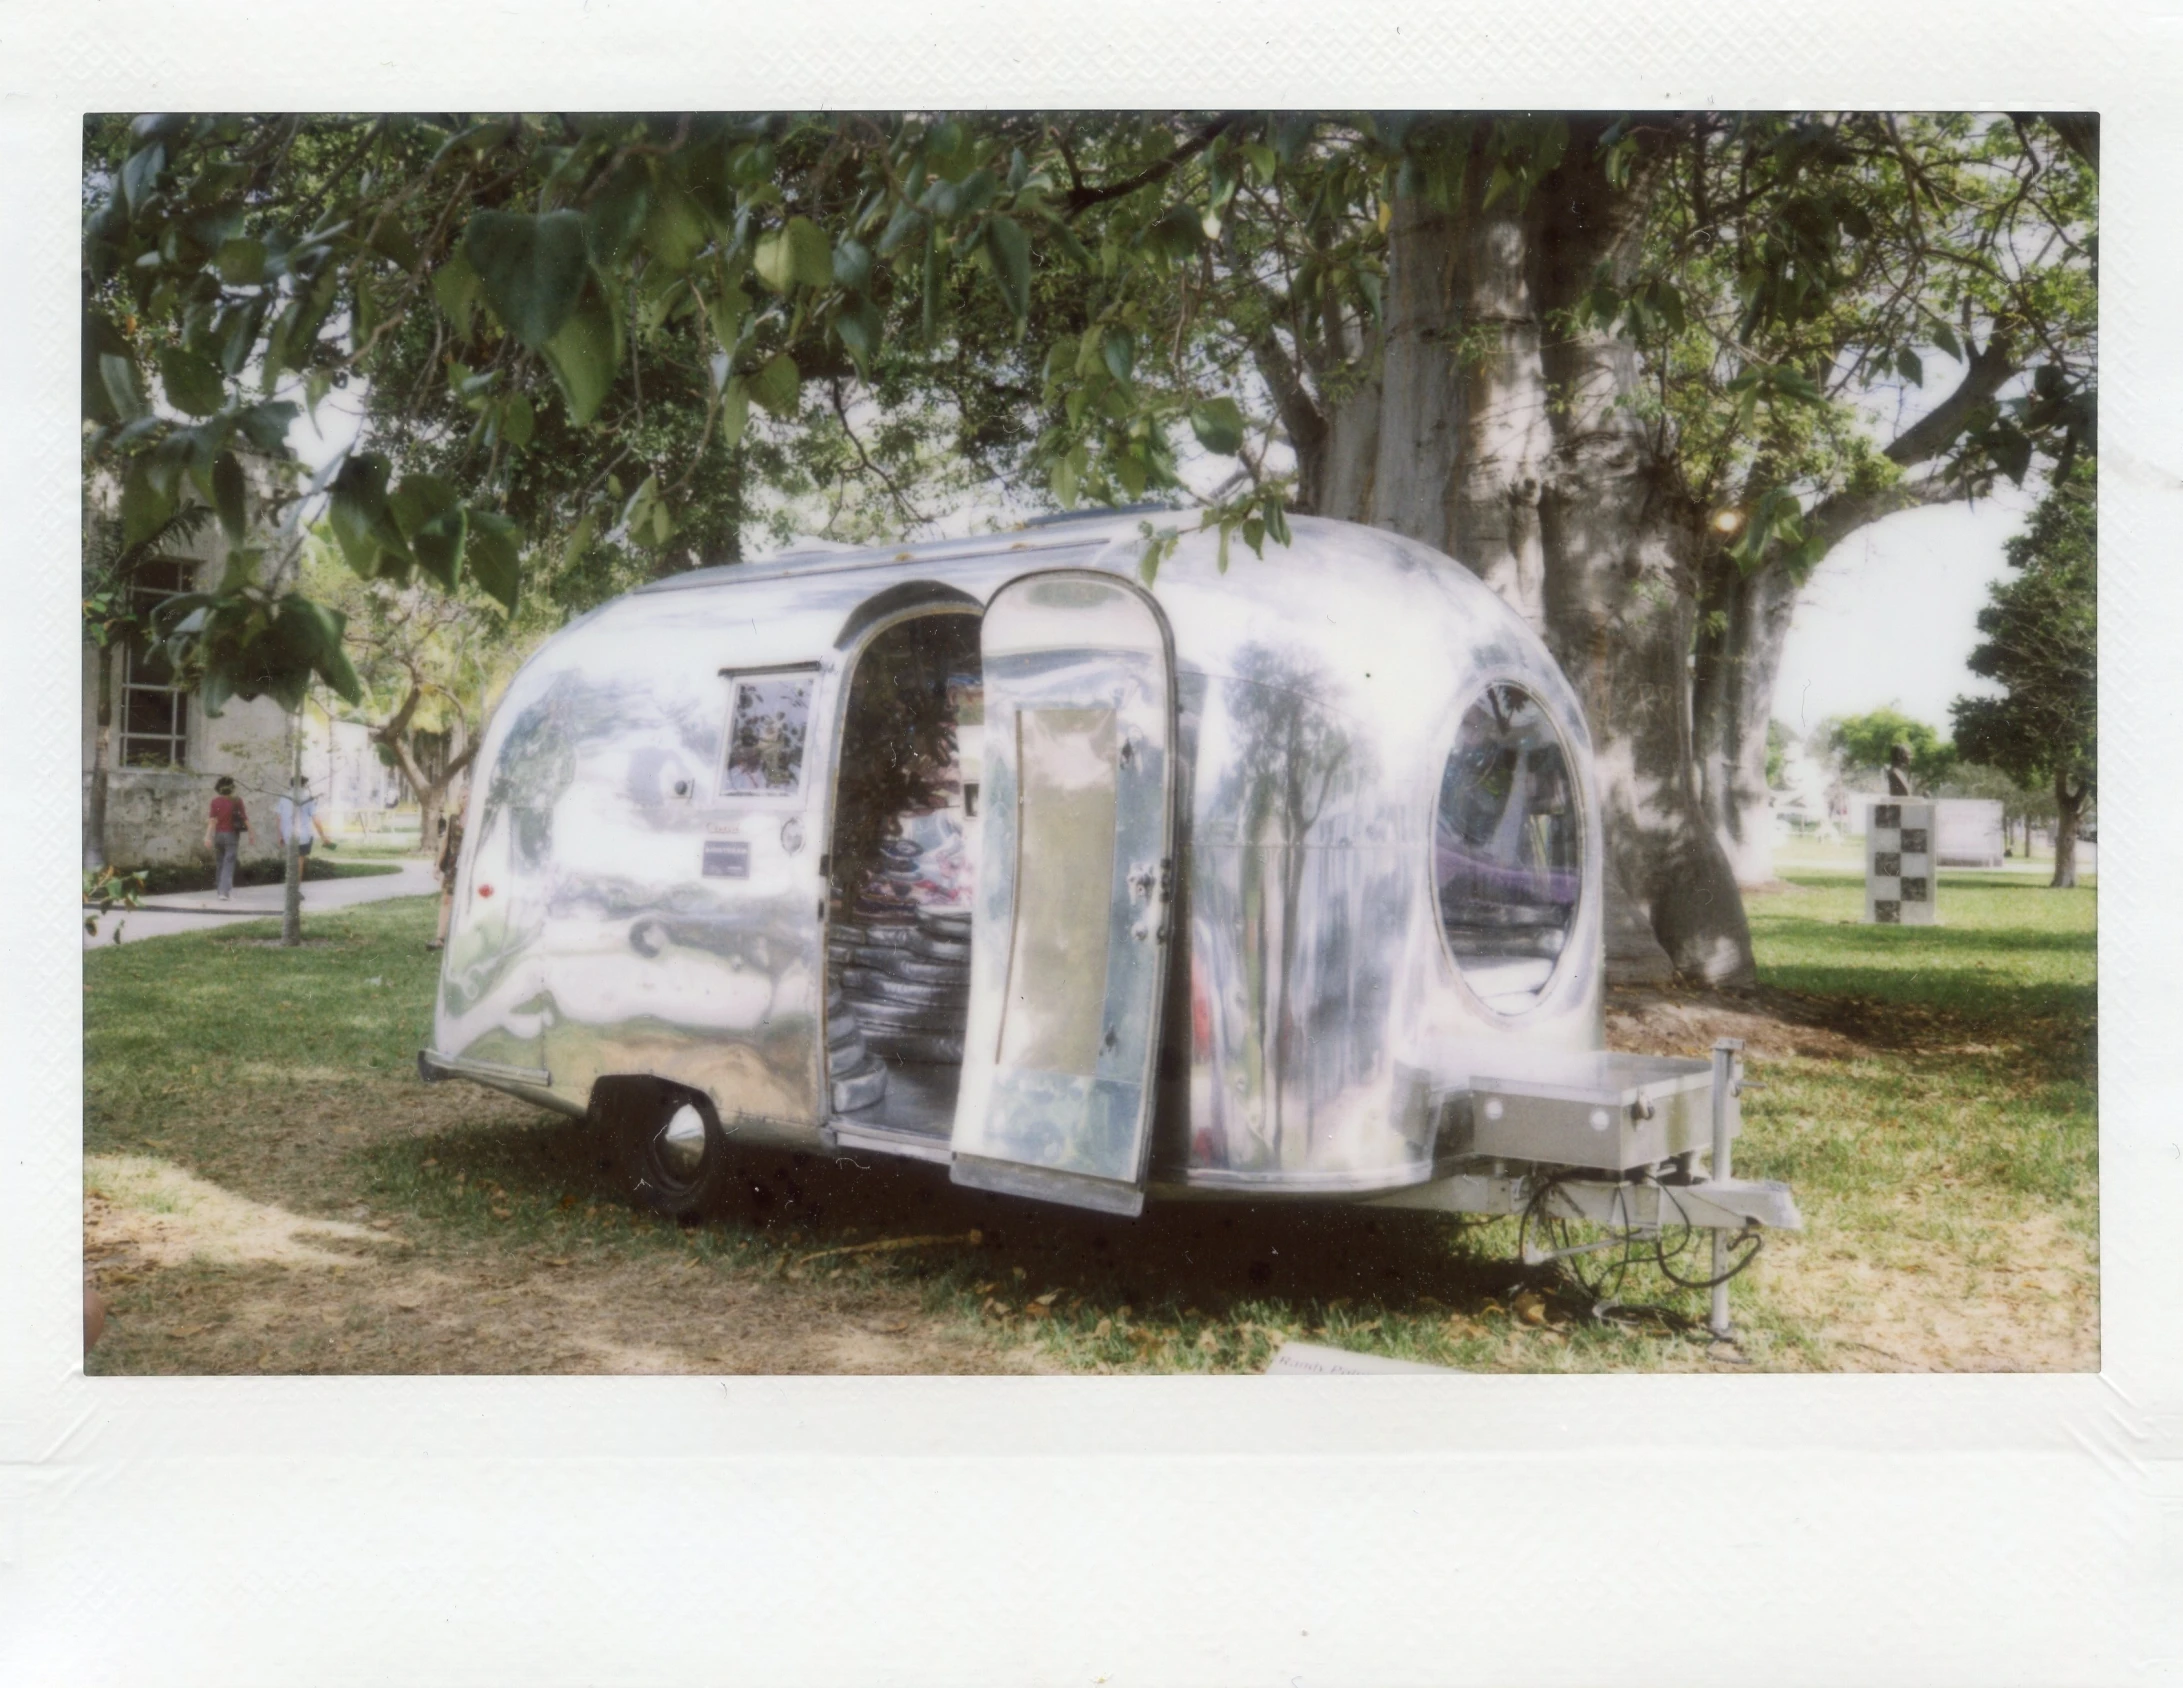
pixel 1899 864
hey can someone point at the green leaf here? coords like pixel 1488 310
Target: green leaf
pixel 777 386
pixel 455 286
pixel 617 213
pixel 860 328
pixel 1063 482
pixel 675 231
pixel 227 495
pixel 1911 366
pixel 795 255
pixel 102 340
pixel 144 505
pixel 140 176
pixel 193 384
pixel 728 308
pixel 438 544
pixel 906 221
pixel 339 673
pixel 516 421
pixel 1176 233
pixel 585 356
pixel 391 239
pixel 734 413
pixel 361 517
pixel 1945 338
pixel 1119 348
pixel 532 271
pixel 123 386
pixel 266 424
pixel 241 262
pixel 853 265
pixel 236 329
pixel 1218 423
pixel 1011 249
pixel 929 307
pixel 417 501
pixel 494 561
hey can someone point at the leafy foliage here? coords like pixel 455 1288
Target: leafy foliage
pixel 594 347
pixel 2042 643
pixel 1866 743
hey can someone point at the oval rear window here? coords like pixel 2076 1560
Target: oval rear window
pixel 1508 861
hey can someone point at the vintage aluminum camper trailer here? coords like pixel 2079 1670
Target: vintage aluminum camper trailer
pixel 1278 881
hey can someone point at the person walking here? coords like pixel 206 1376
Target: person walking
pixel 227 818
pixel 300 823
pixel 450 861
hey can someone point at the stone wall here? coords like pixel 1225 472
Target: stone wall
pixel 155 817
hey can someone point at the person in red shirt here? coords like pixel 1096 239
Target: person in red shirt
pixel 227 819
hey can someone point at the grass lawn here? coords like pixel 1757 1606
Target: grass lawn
pixel 258 1200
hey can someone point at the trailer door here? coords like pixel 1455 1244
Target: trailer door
pixel 1070 932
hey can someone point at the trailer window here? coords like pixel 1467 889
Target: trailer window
pixel 766 732
pixel 1507 855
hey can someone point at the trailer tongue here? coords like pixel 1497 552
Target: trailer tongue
pixel 1612 1141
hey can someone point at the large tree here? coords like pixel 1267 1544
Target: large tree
pixel 1623 368
pixel 2042 644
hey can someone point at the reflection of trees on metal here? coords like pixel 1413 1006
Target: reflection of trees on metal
pixel 765 751
pixel 1294 755
pixel 1507 856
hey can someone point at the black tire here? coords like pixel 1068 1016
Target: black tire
pixel 676 1165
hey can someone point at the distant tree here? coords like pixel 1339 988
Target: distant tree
pixel 1863 744
pixel 427 662
pixel 2042 644
pixel 1779 741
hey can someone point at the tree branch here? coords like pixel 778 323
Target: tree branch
pixel 1082 198
pixel 1991 368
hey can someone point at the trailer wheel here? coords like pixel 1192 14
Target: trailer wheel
pixel 673 1151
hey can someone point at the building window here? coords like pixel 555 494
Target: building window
pixel 154 711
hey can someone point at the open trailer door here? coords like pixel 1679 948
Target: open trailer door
pixel 1070 934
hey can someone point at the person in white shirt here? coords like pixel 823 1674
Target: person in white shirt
pixel 299 823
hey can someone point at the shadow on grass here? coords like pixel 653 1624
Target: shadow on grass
pixel 1205 1257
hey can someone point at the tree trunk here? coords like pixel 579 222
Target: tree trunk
pixel 94 821
pixel 428 818
pixel 291 906
pixel 1744 623
pixel 2068 805
pixel 1516 451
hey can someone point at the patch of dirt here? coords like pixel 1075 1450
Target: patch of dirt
pixel 153 1211
pixel 1773 1024
pixel 200 1279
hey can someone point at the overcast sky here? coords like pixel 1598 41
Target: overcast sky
pixel 1891 615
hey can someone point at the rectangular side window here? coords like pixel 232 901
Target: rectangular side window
pixel 768 715
pixel 154 711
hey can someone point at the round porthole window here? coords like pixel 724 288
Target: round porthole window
pixel 1508 856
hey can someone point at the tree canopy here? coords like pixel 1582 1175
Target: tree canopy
pixel 2041 642
pixel 594 347
pixel 1866 744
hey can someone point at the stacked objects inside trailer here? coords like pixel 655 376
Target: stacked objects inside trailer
pixel 898 945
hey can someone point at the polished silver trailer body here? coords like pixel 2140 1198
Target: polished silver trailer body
pixel 1285 866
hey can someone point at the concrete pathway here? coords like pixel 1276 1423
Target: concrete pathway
pixel 201 911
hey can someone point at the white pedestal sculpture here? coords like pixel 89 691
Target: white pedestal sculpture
pixel 1899 878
